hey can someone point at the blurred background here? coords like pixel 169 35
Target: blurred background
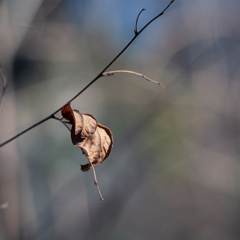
pixel 175 166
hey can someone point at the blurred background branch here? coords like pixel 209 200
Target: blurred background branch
pixel 5 84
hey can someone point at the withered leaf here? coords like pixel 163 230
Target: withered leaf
pixel 96 147
pixel 95 140
pixel 83 124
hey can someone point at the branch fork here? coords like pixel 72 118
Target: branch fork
pixel 135 30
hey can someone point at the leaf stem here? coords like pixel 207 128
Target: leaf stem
pixel 95 180
pixel 62 121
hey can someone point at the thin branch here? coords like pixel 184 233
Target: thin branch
pixel 138 74
pixel 95 180
pixel 61 120
pixel 26 130
pixel 124 49
pixel 5 84
pixel 159 15
pixel 94 80
pixel 135 30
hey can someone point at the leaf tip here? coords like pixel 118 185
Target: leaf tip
pixel 85 167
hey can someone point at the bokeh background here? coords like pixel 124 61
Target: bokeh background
pixel 175 166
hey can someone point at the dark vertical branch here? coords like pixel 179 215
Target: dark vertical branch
pixel 5 84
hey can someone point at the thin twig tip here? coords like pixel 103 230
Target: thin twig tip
pixel 135 30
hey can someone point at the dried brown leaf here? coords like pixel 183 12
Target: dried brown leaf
pixel 94 139
pixel 84 125
pixel 97 147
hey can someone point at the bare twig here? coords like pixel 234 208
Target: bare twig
pixel 26 130
pixel 138 74
pixel 124 49
pixel 95 180
pixel 66 126
pixel 5 84
pixel 33 126
pixel 159 15
pixel 135 30
pixel 61 120
pixel 93 81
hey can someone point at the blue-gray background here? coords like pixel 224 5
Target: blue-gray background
pixel 174 170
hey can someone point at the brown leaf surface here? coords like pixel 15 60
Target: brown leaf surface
pixel 96 147
pixel 84 125
pixel 95 140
